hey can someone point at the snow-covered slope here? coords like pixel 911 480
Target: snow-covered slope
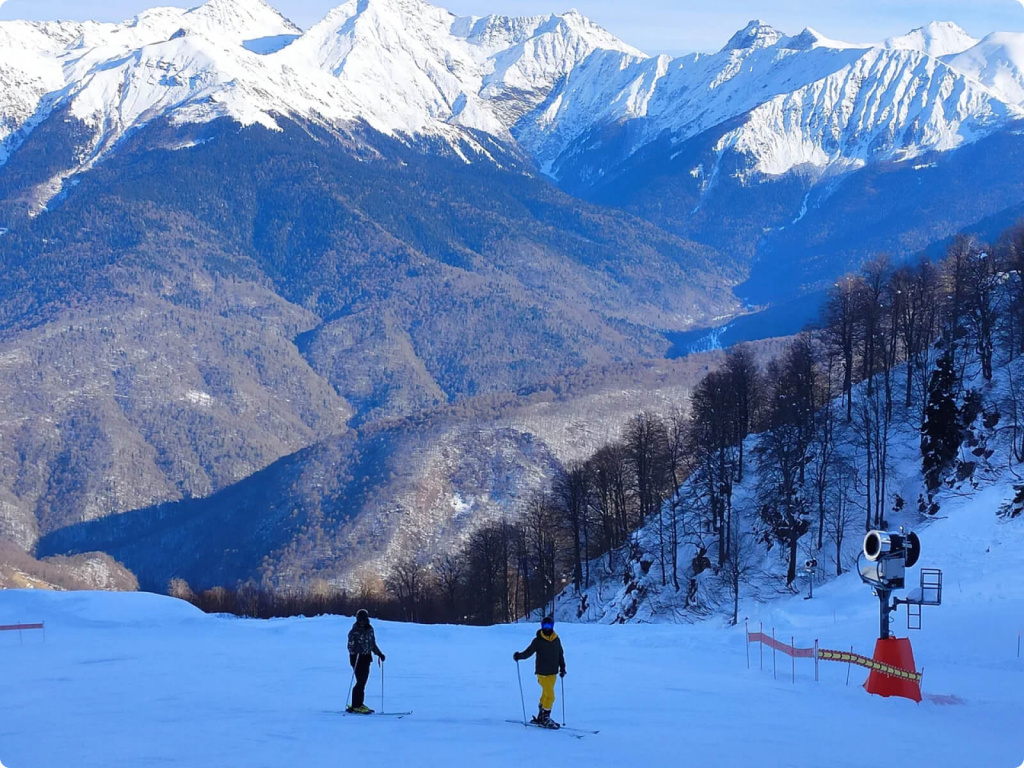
pixel 234 22
pixel 972 519
pixel 229 21
pixel 188 78
pixel 940 38
pixel 137 679
pixel 997 62
pixel 885 105
pixel 240 21
pixel 547 83
pixel 26 77
pixel 115 76
pixel 802 100
pixel 409 64
pixel 401 66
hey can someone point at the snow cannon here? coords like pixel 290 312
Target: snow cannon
pixel 810 566
pixel 888 556
pixel 882 564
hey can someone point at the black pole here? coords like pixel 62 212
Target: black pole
pixel 884 609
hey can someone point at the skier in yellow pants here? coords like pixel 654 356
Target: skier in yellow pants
pixel 549 665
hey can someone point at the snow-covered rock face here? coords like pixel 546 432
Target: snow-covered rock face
pixel 115 76
pixel 882 106
pixel 804 101
pixel 756 34
pixel 545 83
pixel 409 65
pixel 997 62
pixel 25 79
pixel 401 66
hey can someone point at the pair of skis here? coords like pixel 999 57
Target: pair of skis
pixel 346 713
pixel 578 733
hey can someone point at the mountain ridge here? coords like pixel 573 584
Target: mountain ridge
pixel 233 251
pixel 526 78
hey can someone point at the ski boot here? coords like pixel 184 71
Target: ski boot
pixel 362 709
pixel 543 719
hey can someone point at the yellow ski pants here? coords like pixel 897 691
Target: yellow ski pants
pixel 547 690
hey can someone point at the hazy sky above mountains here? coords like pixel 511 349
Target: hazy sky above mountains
pixel 656 26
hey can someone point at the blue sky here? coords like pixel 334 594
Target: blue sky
pixel 673 26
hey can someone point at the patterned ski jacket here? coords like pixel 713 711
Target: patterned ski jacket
pixel 550 657
pixel 361 641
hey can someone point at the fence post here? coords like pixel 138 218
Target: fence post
pixel 775 674
pixel 760 646
pixel 816 660
pixel 792 645
pixel 746 632
pixel 849 666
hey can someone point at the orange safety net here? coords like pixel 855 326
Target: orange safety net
pixel 797 653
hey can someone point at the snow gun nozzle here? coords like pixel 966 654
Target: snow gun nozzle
pixel 888 554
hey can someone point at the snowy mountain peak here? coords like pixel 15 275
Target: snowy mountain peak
pixel 392 10
pixel 805 41
pixel 240 20
pixel 940 38
pixel 812 38
pixel 757 34
pixel 236 8
pixel 411 66
pixel 540 83
pixel 597 35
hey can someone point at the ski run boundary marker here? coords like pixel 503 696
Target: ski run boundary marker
pixel 846 657
pixel 825 654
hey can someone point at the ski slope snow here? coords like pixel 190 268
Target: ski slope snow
pixel 124 680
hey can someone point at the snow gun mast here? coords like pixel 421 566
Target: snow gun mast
pixel 882 564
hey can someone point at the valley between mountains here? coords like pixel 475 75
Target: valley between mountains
pixel 288 306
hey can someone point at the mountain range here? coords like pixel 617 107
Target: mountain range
pixel 266 292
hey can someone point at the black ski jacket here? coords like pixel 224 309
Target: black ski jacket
pixel 550 657
pixel 362 641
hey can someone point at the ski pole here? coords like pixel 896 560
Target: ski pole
pixel 563 699
pixel 522 699
pixel 381 684
pixel 348 693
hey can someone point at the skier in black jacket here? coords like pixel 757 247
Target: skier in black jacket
pixel 361 645
pixel 550 663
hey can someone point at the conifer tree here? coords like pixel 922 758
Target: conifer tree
pixel 940 432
